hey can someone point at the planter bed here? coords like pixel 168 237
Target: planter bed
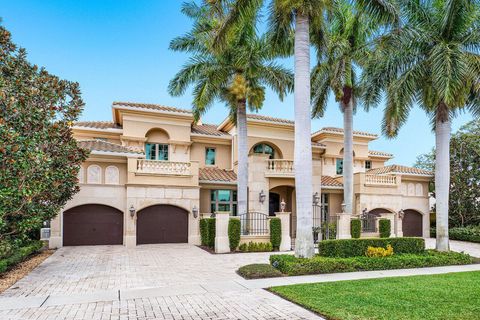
pixel 292 266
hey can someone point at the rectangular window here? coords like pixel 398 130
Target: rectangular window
pixel 325 204
pixel 223 200
pixel 210 156
pixel 339 166
pixel 368 164
pixel 156 151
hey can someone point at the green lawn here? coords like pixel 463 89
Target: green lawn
pixel 435 297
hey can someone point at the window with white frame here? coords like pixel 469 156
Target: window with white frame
pixel 156 151
pixel 223 200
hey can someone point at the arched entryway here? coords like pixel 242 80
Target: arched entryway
pixel 92 224
pixel 162 224
pixel 412 224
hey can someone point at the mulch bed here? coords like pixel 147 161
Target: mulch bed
pixel 9 278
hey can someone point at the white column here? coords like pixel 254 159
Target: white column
pixel 286 243
pixel 343 227
pixel 221 232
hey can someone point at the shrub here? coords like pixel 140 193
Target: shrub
pixel 207 232
pixel 233 233
pixel 275 232
pixel 355 228
pixel 6 249
pixel 385 228
pixel 256 247
pixel 379 251
pixel 470 233
pixel 19 255
pixel 203 232
pixel 357 247
pixel 290 265
pixel 258 271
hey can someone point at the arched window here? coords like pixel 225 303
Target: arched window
pixel 112 175
pixel 94 174
pixel 264 148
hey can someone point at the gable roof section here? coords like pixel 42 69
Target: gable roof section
pixel 148 106
pixel 339 131
pixel 399 169
pixel 94 145
pixel 208 130
pixel 102 125
pixel 216 175
pixel 381 154
pixel 269 119
pixel 328 181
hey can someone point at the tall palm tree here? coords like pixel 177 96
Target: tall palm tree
pixel 237 75
pixel 341 53
pixel 432 59
pixel 291 23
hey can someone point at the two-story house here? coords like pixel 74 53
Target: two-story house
pixel 153 171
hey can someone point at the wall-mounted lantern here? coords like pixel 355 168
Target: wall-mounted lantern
pixel 132 211
pixel 195 211
pixel 401 214
pixel 262 196
pixel 316 199
pixel 283 205
pixel 343 207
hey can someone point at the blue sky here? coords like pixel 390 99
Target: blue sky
pixel 118 51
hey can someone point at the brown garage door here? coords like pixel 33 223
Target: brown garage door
pixel 162 224
pixel 412 224
pixel 92 224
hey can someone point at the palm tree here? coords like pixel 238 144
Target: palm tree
pixel 342 51
pixel 432 59
pixel 237 75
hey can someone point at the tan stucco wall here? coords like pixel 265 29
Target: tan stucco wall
pixel 223 159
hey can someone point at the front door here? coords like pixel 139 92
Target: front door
pixel 273 203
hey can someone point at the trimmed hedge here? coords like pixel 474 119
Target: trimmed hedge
pixel 470 233
pixel 207 232
pixel 233 233
pixel 276 233
pixel 385 228
pixel 346 248
pixel 355 228
pixel 19 255
pixel 259 271
pixel 292 266
pixel 256 247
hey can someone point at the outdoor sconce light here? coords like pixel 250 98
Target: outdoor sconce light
pixel 343 207
pixel 316 198
pixel 195 212
pixel 401 214
pixel 262 196
pixel 282 205
pixel 132 211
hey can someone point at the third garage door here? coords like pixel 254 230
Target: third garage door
pixel 162 224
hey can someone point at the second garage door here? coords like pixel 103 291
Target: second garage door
pixel 162 224
pixel 412 224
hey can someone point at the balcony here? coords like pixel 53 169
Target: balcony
pixel 379 180
pixel 159 167
pixel 280 168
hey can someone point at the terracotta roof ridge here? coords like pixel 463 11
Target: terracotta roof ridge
pixel 150 106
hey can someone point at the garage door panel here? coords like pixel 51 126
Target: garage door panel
pixel 92 225
pixel 412 224
pixel 162 224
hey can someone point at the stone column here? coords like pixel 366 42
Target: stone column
pixel 221 232
pixel 130 240
pixel 399 226
pixel 343 227
pixel 286 244
pixel 55 240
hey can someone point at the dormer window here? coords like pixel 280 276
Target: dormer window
pixel 156 151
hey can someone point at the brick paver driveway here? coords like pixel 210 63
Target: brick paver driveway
pixel 148 282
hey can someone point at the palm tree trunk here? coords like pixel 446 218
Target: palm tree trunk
pixel 242 176
pixel 303 143
pixel 442 178
pixel 348 155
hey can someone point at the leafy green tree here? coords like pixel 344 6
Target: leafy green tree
pixel 464 205
pixel 237 74
pixel 39 158
pixel 430 59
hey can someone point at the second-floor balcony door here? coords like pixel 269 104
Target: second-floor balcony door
pixel 156 151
